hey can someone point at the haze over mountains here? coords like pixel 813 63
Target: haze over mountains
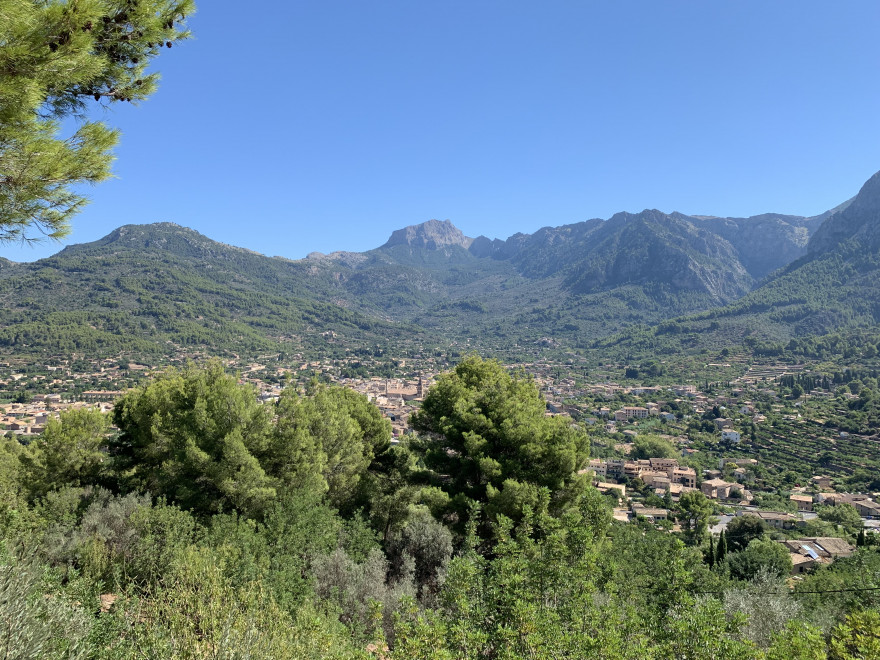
pixel 148 287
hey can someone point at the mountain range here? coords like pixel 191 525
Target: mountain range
pixel 162 287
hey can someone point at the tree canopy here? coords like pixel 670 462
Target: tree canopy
pixel 487 435
pixel 742 530
pixel 57 58
pixel 203 440
pixel 651 446
pixel 329 438
pixel 695 516
pixel 68 453
pixel 195 436
pixel 759 555
pixel 843 514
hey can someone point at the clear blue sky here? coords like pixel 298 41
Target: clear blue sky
pixel 287 127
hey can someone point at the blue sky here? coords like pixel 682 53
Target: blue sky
pixel 289 127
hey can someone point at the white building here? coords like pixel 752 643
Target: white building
pixel 730 436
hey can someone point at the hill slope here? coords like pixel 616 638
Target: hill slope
pixel 163 288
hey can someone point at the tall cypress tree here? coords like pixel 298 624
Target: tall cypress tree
pixel 711 556
pixel 721 548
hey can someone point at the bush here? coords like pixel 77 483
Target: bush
pixel 34 625
pixel 362 594
pixel 427 544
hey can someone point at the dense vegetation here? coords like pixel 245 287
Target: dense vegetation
pixel 213 526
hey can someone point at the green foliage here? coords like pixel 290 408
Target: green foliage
pixel 742 530
pixel 721 548
pixel 759 556
pixel 765 605
pixel 70 452
pixel 194 436
pixel 535 598
pixel 695 515
pixel 648 446
pixel 327 440
pixel 701 630
pixel 857 637
pixel 843 514
pixel 11 473
pixel 425 547
pixel 34 627
pixel 196 612
pixel 364 597
pixel 487 431
pixel 58 56
pixel 798 641
pixel 653 571
pixel 297 530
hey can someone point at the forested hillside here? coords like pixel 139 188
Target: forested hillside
pixel 154 290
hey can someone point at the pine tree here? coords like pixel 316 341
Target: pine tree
pixel 58 58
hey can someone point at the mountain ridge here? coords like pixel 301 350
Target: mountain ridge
pixel 578 282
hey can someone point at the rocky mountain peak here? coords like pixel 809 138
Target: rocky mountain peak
pixel 432 235
pixel 860 220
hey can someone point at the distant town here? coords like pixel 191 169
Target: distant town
pixel 736 442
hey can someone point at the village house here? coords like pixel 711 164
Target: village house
pixel 630 412
pixel 677 490
pixel 598 467
pixel 723 490
pixel 867 508
pixel 808 553
pixel 730 436
pixel 821 481
pixel 830 499
pixel 685 476
pixel 777 519
pixel 663 464
pixel 717 488
pixel 655 479
pixel 650 513
pixel 741 474
pixel 614 467
pixel 803 502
